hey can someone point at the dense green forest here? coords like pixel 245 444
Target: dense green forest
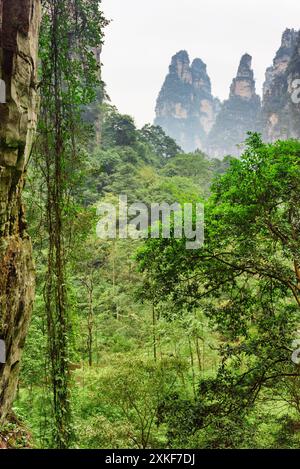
pixel 144 343
pixel 125 354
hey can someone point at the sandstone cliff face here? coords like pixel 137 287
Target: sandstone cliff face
pixel 19 26
pixel 185 107
pixel 239 114
pixel 189 113
pixel 277 119
pixel 92 112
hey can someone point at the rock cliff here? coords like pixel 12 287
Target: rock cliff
pixel 277 119
pixel 188 112
pixel 239 114
pixel 19 31
pixel 185 107
pixel 293 86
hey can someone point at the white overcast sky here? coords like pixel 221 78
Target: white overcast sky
pixel 144 34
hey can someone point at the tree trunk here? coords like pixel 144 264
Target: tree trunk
pixel 19 31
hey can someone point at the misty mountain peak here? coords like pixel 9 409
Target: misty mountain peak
pixel 188 112
pixel 243 85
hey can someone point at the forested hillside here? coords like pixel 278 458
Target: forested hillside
pixel 138 343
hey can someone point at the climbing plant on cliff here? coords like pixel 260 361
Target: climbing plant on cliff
pixel 71 34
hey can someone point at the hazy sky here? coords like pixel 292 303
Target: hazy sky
pixel 144 34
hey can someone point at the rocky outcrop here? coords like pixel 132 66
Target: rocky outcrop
pixel 277 118
pixel 293 87
pixel 19 26
pixel 238 115
pixel 92 112
pixel 185 108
